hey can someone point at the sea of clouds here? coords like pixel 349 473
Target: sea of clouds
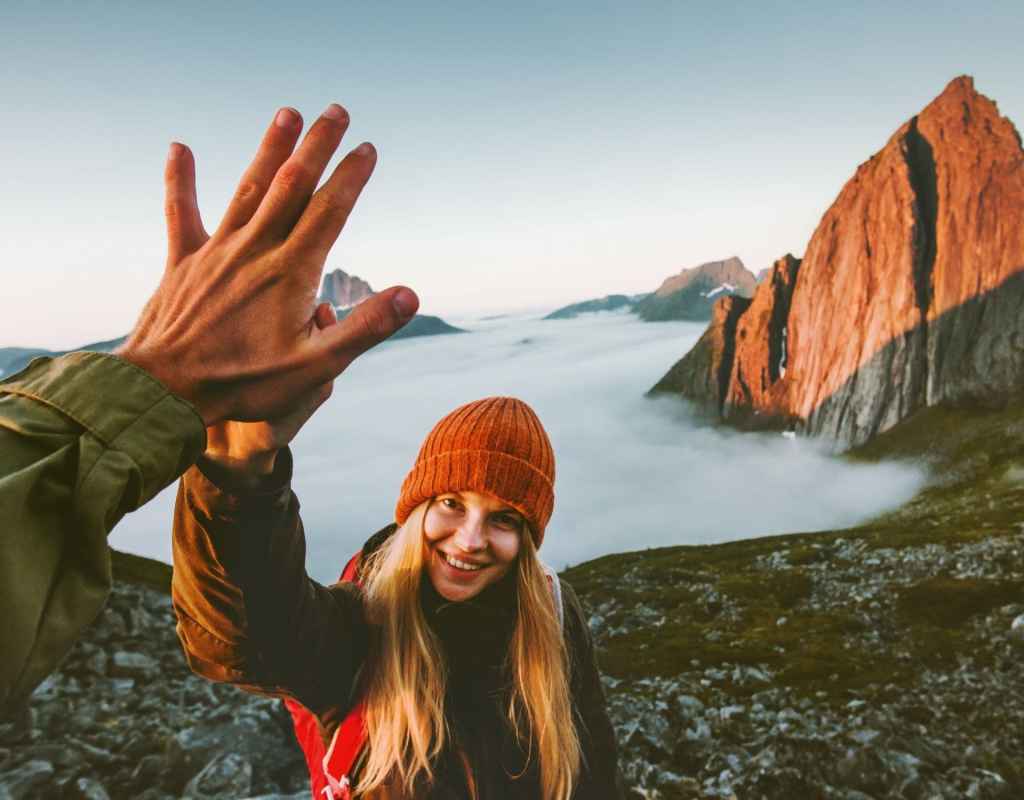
pixel 633 472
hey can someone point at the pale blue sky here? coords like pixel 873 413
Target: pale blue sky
pixel 528 156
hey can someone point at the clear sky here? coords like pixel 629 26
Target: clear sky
pixel 530 154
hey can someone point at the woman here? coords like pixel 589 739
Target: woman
pixel 450 641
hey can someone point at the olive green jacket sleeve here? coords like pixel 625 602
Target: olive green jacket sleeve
pixel 84 439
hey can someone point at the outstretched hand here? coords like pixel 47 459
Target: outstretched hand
pixel 231 327
pixel 248 450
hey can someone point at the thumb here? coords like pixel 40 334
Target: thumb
pixel 368 324
pixel 185 231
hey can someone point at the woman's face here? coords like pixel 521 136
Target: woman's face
pixel 471 541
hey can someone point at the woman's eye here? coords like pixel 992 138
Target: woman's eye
pixel 507 521
pixel 450 503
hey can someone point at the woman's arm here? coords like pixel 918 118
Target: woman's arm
pixel 247 612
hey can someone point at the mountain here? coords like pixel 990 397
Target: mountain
pixel 610 302
pixel 691 294
pixel 343 290
pixel 909 294
pixel 15 359
pixel 12 356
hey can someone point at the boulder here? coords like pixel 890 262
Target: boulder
pixel 227 775
pixel 27 781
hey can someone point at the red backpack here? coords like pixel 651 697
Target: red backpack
pixel 330 767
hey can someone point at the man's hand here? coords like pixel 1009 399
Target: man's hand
pixel 231 328
pixel 248 450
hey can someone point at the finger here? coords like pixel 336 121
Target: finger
pixel 369 323
pixel 278 143
pixel 185 232
pixel 324 316
pixel 328 211
pixel 295 181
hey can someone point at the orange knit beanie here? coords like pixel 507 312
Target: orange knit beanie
pixel 495 446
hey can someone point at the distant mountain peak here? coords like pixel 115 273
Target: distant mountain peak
pixel 343 290
pixel 730 270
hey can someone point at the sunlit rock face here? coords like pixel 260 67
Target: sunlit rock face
pixel 909 294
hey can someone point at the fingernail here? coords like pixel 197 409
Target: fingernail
pixel 334 111
pixel 287 118
pixel 405 303
pixel 365 149
pixel 176 151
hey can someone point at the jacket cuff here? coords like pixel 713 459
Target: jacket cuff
pixel 219 497
pixel 123 406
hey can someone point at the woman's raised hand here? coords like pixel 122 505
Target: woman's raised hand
pixel 230 328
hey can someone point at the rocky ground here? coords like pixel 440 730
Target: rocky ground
pixel 125 718
pixel 898 724
pixel 883 661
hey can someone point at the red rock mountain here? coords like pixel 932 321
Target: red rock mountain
pixel 910 292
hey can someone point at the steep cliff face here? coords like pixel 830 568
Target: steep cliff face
pixel 705 371
pixel 691 294
pixel 344 290
pixel 910 291
pixel 761 343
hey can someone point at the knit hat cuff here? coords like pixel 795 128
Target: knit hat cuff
pixel 512 480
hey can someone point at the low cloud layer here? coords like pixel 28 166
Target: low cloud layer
pixel 632 472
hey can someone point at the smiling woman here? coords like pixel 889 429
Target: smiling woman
pixel 471 541
pixel 448 662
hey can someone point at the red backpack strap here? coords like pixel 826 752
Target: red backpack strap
pixel 329 768
pixel 346 746
pixel 351 572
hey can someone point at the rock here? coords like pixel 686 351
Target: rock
pixel 907 296
pixel 1017 630
pixel 227 775
pixel 96 664
pixel 26 782
pixel 148 772
pixel 133 665
pixel 270 749
pixel 689 707
pixel 88 789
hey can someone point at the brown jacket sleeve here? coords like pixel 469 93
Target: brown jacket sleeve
pixel 601 777
pixel 248 613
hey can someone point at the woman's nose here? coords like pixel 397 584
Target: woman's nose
pixel 470 536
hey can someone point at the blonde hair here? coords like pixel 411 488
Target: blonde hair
pixel 406 674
